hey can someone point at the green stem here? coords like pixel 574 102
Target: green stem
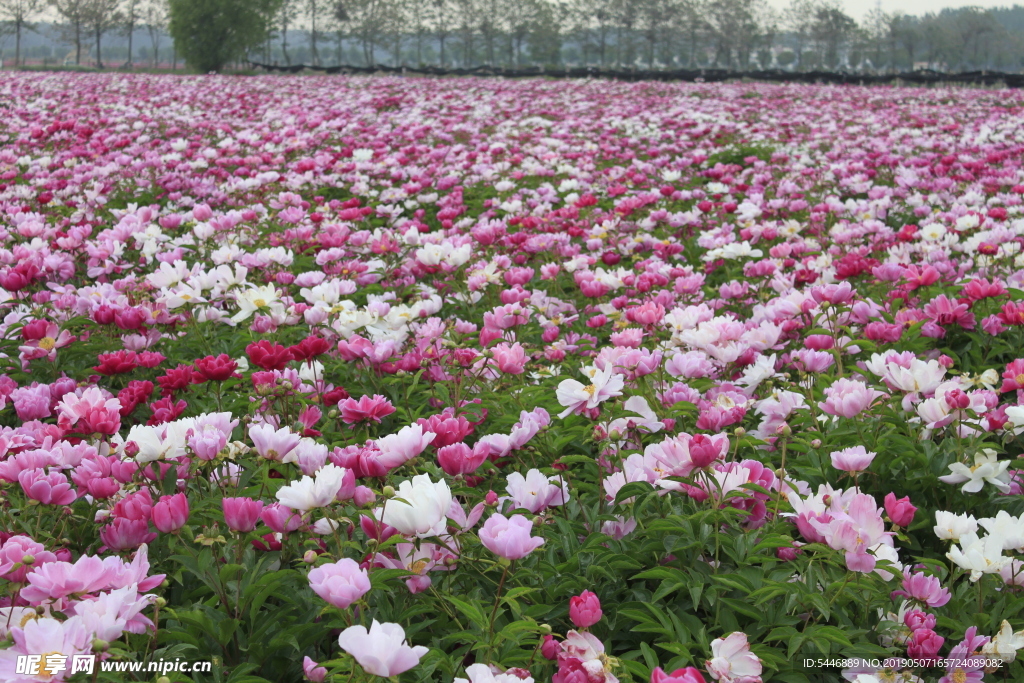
pixel 494 612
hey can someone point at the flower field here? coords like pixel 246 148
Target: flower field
pixel 342 379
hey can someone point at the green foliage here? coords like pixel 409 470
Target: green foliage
pixel 212 33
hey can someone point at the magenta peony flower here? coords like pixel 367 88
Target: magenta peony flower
pixel 585 609
pixel 241 514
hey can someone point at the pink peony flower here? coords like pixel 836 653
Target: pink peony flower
pixel 852 459
pixel 381 650
pixel 732 661
pixel 241 514
pixel 340 583
pixel 366 409
pixel 48 489
pixel 848 398
pixel 170 513
pixel 687 675
pixel 509 537
pixel 585 609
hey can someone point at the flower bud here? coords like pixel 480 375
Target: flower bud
pixel 784 430
pixel 160 602
pixel 740 432
pixel 388 491
pixel 309 557
pixel 815 443
pixel 585 609
pixel 99 645
pixel 28 560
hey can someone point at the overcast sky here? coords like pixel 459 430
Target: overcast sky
pixel 858 8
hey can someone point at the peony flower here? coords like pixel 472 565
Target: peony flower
pixel 578 397
pixel 381 650
pixel 274 444
pixel 585 609
pixel 687 675
pixel 848 398
pixel 170 513
pixel 340 583
pixel 732 661
pixel 986 469
pixel 481 673
pixel 509 537
pixel 241 514
pixel 978 555
pixel 419 507
pixel 536 492
pixel 308 493
pixel 853 459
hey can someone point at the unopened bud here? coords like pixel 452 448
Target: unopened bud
pixel 309 557
pixel 545 628
pixel 388 491
pixel 287 385
pixel 99 645
pixel 615 435
pixel 538 520
pixel 163 679
pixel 332 414
pixel 28 559
pixel 160 602
pixel 784 430
pixel 449 561
pixel 740 432
pixel 816 443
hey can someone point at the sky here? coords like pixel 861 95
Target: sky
pixel 858 8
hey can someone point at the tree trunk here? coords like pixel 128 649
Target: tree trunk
pixel 99 54
pixel 315 57
pixel 284 43
pixel 78 43
pixel 131 32
pixel 17 42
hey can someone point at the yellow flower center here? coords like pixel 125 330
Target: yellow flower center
pixel 959 676
pixel 29 616
pixel 590 389
pixel 186 297
pixel 46 670
pixel 47 343
pixel 259 303
pixel 418 566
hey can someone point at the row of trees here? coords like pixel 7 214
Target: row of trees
pixel 739 34
pixel 84 22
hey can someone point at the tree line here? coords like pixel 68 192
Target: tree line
pixel 649 34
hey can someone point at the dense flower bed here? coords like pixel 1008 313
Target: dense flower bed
pixel 579 382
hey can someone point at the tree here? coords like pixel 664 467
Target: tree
pixel 100 17
pixel 286 15
pixel 798 19
pixel 73 13
pixel 211 33
pixel 831 29
pixel 19 13
pixel 154 15
pixel 132 15
pixel 313 10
